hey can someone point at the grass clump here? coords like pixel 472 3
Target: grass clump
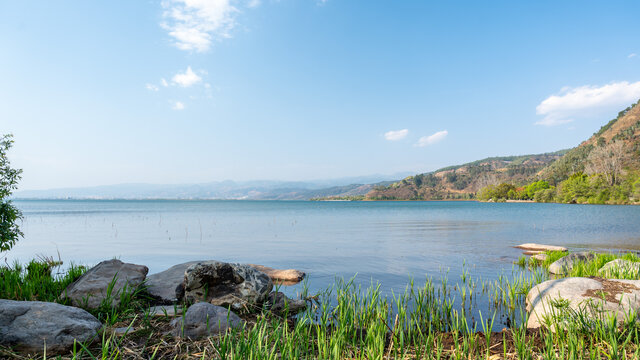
pixel 36 281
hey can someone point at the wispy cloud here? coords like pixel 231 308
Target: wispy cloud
pixel 164 82
pixel 254 3
pixel 632 55
pixel 194 24
pixel 187 78
pixel 395 135
pixel 586 101
pixel 432 139
pixel 152 87
pixel 178 105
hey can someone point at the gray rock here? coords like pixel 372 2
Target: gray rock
pixel 27 326
pixel 241 287
pixel 279 302
pixel 554 301
pixel 204 319
pixel 170 311
pixel 91 288
pixel 565 264
pixel 168 286
pixel 617 267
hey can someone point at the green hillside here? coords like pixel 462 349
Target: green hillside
pixel 496 177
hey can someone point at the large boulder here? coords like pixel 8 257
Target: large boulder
pixel 29 326
pixel 540 247
pixel 204 319
pixel 167 287
pixel 279 276
pixel 553 301
pixel 92 288
pixel 565 264
pixel 618 267
pixel 238 286
pixel 278 303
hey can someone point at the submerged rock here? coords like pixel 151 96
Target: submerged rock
pixel 618 267
pixel 540 247
pixel 29 326
pixel 279 303
pixel 565 264
pixel 167 287
pixel 553 301
pixel 204 319
pixel 286 277
pixel 238 286
pixel 90 290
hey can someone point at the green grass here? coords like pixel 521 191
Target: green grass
pixel 35 281
pixel 435 320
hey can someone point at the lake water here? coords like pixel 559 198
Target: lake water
pixel 386 242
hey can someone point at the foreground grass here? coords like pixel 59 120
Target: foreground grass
pixel 434 320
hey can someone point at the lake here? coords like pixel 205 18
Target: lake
pixel 385 242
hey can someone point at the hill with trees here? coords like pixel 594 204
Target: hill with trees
pixel 602 169
pixel 463 181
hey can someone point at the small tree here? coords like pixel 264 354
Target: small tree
pixel 9 214
pixel 607 160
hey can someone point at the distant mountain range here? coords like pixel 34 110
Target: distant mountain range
pixel 243 190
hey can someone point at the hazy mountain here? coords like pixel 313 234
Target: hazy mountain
pixel 259 190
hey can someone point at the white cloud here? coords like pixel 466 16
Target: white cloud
pixel 152 87
pixel 254 3
pixel 178 106
pixel 586 101
pixel 395 135
pixel 164 82
pixel 194 24
pixel 632 55
pixel 187 78
pixel 432 139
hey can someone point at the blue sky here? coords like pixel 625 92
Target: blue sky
pixel 185 91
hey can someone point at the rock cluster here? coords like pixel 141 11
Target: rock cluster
pixel 215 290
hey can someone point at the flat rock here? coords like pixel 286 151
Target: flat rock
pixel 540 247
pixel 616 268
pixel 565 264
pixel 204 319
pixel 164 310
pixel 91 288
pixel 238 286
pixel 285 277
pixel 597 298
pixel 26 326
pixel 167 287
pixel 279 303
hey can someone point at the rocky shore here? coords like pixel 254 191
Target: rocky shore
pixel 213 293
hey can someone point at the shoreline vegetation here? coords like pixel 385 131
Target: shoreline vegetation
pixel 442 318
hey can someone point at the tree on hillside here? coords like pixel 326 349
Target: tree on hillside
pixel 9 214
pixel 607 160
